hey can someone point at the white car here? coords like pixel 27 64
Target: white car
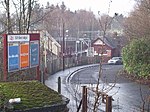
pixel 115 60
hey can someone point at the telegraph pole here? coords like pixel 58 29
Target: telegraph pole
pixel 63 45
pixel 63 7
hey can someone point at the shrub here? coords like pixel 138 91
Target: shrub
pixel 136 57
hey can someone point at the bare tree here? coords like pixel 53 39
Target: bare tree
pixel 7 8
pixel 23 11
pixel 137 25
pixel 104 26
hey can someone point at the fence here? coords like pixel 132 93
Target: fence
pixel 56 65
pixel 53 66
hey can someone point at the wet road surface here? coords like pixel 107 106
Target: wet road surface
pixel 127 94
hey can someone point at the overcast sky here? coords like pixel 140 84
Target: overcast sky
pixel 116 6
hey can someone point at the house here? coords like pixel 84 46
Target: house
pixel 50 50
pixel 50 44
pixel 107 46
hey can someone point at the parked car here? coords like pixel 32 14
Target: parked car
pixel 115 60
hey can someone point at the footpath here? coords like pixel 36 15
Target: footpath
pixel 66 90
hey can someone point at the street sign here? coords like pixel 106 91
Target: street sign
pixel 13 56
pixel 24 55
pixel 34 53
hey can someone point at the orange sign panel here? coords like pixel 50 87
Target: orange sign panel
pixel 24 55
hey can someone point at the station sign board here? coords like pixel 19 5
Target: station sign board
pixel 23 52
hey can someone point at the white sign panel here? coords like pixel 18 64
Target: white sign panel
pixel 17 38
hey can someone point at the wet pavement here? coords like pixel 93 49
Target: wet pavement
pixel 126 93
pixel 66 89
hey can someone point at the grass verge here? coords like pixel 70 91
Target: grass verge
pixel 33 94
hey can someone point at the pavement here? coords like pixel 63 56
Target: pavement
pixel 66 90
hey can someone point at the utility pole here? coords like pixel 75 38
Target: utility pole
pixel 63 8
pixel 63 45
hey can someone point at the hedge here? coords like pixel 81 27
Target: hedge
pixel 136 57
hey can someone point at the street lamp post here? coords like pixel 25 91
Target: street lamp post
pixel 66 36
pixel 76 50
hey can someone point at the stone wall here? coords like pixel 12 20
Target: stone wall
pixel 60 107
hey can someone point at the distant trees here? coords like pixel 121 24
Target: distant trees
pixel 23 16
pixel 137 30
pixel 80 20
pixel 137 25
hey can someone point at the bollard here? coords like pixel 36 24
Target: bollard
pixel 42 77
pixel 59 85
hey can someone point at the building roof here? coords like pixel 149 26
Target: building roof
pixel 108 41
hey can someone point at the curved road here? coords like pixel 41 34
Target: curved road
pixel 127 95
